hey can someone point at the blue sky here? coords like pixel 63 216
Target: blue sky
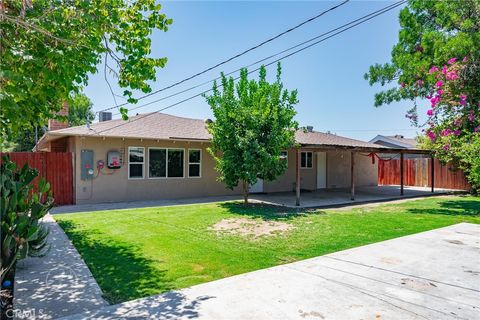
pixel 329 77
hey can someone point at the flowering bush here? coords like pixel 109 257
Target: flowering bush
pixel 453 119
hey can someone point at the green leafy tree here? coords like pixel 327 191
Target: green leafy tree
pixel 437 61
pixel 49 47
pixel 79 113
pixel 79 110
pixel 253 124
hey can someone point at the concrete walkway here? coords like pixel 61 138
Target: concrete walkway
pixel 56 285
pixel 430 275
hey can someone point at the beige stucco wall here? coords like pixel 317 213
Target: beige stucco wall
pixel 114 185
pixel 338 173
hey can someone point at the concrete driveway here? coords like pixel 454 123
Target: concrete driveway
pixel 430 275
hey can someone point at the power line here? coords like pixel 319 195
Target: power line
pixel 235 56
pixel 379 12
pixel 372 14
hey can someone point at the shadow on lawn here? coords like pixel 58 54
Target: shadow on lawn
pixel 119 268
pixel 452 208
pixel 266 211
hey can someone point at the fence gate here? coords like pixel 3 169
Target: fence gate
pixel 55 167
pixel 417 173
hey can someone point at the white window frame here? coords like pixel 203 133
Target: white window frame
pixel 306 160
pixel 166 162
pixel 286 157
pixel 199 163
pixel 142 163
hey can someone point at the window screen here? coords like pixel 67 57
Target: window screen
pixel 136 162
pixel 175 163
pixel 306 160
pixel 194 163
pixel 157 163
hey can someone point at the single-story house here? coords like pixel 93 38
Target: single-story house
pixel 159 156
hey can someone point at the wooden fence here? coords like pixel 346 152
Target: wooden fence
pixel 417 172
pixel 55 167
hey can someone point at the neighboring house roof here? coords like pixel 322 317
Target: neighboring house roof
pixel 162 126
pixel 396 141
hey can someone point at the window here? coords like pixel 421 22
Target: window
pixel 136 161
pixel 175 163
pixel 306 160
pixel 194 163
pixel 284 155
pixel 157 163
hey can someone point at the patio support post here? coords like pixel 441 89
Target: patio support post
pixel 297 177
pixel 352 176
pixel 432 170
pixel 401 173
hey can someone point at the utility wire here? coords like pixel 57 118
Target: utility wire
pixel 267 58
pixel 384 10
pixel 235 56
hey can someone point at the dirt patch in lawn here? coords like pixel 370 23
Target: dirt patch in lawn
pixel 251 228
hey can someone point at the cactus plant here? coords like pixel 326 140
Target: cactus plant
pixel 21 208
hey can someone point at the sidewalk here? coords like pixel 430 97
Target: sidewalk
pixel 56 285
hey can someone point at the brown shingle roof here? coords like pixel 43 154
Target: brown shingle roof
pixel 167 127
pixel 148 126
pixel 328 139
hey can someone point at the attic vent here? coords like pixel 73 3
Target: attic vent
pixel 104 116
pixel 309 128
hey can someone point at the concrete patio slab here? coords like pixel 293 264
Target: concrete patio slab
pixel 430 275
pixel 328 198
pixel 56 285
pixel 309 199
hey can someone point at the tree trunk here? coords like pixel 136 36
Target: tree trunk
pixel 245 192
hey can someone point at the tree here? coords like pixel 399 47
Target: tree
pixel 79 110
pixel 79 113
pixel 437 61
pixel 253 124
pixel 48 48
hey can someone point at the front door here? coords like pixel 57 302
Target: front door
pixel 321 170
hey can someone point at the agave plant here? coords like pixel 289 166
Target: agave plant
pixel 22 206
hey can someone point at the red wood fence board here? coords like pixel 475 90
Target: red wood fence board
pixel 417 172
pixel 55 167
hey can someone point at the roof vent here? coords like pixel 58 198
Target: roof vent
pixel 399 136
pixel 104 116
pixel 208 121
pixel 309 128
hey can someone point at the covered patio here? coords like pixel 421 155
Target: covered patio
pixel 342 197
pixel 355 151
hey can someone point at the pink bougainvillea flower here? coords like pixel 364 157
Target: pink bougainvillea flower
pixel 452 60
pixel 451 76
pixel 402 84
pixel 430 112
pixel 444 69
pixel 465 59
pixel 440 92
pixel 433 69
pixel 476 129
pixel 446 132
pixel 420 83
pixel 456 132
pixel 435 100
pixel 446 147
pixel 471 116
pixel 439 83
pixel 431 135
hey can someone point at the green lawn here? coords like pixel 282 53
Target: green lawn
pixel 139 252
